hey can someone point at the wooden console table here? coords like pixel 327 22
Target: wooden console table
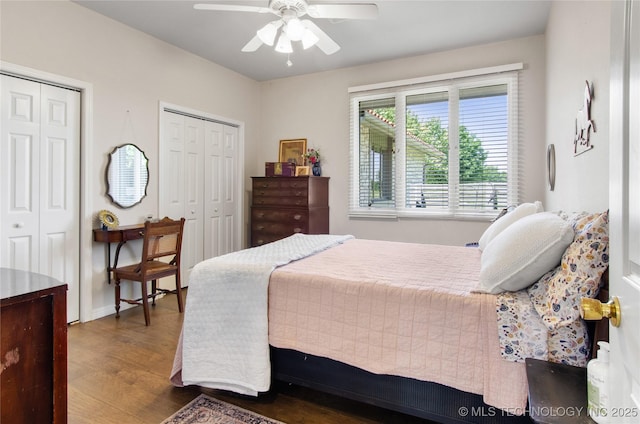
pixel 118 235
pixel 33 348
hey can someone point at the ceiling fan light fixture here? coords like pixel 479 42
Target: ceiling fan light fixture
pixel 309 39
pixel 284 44
pixel 267 34
pixel 291 27
pixel 295 30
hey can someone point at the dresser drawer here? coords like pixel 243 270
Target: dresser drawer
pixel 273 224
pixel 280 183
pixel 288 216
pixel 281 198
pixel 265 232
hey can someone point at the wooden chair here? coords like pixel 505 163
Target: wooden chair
pixel 161 239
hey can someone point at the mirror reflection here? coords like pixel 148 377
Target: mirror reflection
pixel 127 175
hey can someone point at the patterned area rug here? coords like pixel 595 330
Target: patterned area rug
pixel 207 410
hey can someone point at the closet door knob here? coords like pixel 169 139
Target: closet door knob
pixel 18 225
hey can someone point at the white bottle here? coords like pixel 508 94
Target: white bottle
pixel 598 385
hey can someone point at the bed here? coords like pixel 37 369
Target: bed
pixel 404 326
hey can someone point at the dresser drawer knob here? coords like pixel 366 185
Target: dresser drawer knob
pixel 297 230
pixel 260 227
pixel 297 217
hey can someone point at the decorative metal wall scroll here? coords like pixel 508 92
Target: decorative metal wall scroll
pixel 584 124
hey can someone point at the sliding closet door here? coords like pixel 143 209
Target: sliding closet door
pixel 231 204
pixel 192 247
pixel 180 182
pixel 20 155
pixel 198 180
pixel 40 174
pixel 214 194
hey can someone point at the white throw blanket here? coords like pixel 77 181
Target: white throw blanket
pixel 225 338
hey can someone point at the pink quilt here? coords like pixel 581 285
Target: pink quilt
pixel 397 308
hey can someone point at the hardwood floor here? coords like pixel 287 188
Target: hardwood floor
pixel 119 373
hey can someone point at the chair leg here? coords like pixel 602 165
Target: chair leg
pixel 145 303
pixel 179 292
pixel 117 298
pixel 154 287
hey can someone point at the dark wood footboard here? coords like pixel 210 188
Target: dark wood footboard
pixel 422 399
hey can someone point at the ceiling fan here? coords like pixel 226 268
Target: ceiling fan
pixel 293 27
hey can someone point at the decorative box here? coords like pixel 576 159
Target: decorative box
pixel 279 169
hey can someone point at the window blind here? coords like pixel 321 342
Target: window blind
pixel 427 150
pixel 376 153
pixel 445 148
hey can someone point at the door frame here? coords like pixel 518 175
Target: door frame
pixel 86 178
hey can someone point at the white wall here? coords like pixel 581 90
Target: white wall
pixel 129 71
pixel 577 46
pixel 316 107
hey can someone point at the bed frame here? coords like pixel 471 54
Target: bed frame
pixel 422 399
pixel 413 397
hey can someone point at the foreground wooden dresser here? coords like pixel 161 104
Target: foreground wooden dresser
pixel 33 348
pixel 282 206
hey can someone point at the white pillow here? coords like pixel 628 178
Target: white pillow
pixel 498 226
pixel 523 252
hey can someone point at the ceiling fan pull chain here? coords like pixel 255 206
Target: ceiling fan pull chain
pixel 289 62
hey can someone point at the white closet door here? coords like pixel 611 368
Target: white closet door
pixel 20 212
pixel 221 206
pixel 199 180
pixel 231 204
pixel 171 169
pixel 60 191
pixel 214 190
pixel 192 244
pixel 39 206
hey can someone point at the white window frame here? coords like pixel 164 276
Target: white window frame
pixel 506 74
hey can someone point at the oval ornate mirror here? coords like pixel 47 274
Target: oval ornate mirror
pixel 127 175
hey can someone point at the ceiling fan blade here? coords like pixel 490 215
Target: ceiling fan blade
pixel 231 8
pixel 325 43
pixel 343 11
pixel 252 45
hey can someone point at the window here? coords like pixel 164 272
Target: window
pixel 445 147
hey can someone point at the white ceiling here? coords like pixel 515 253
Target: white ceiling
pixel 403 29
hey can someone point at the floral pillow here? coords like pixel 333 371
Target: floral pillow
pixel 556 296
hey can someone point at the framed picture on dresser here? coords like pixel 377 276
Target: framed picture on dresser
pixel 302 170
pixel 293 151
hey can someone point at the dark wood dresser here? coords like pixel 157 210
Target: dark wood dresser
pixel 33 348
pixel 282 206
